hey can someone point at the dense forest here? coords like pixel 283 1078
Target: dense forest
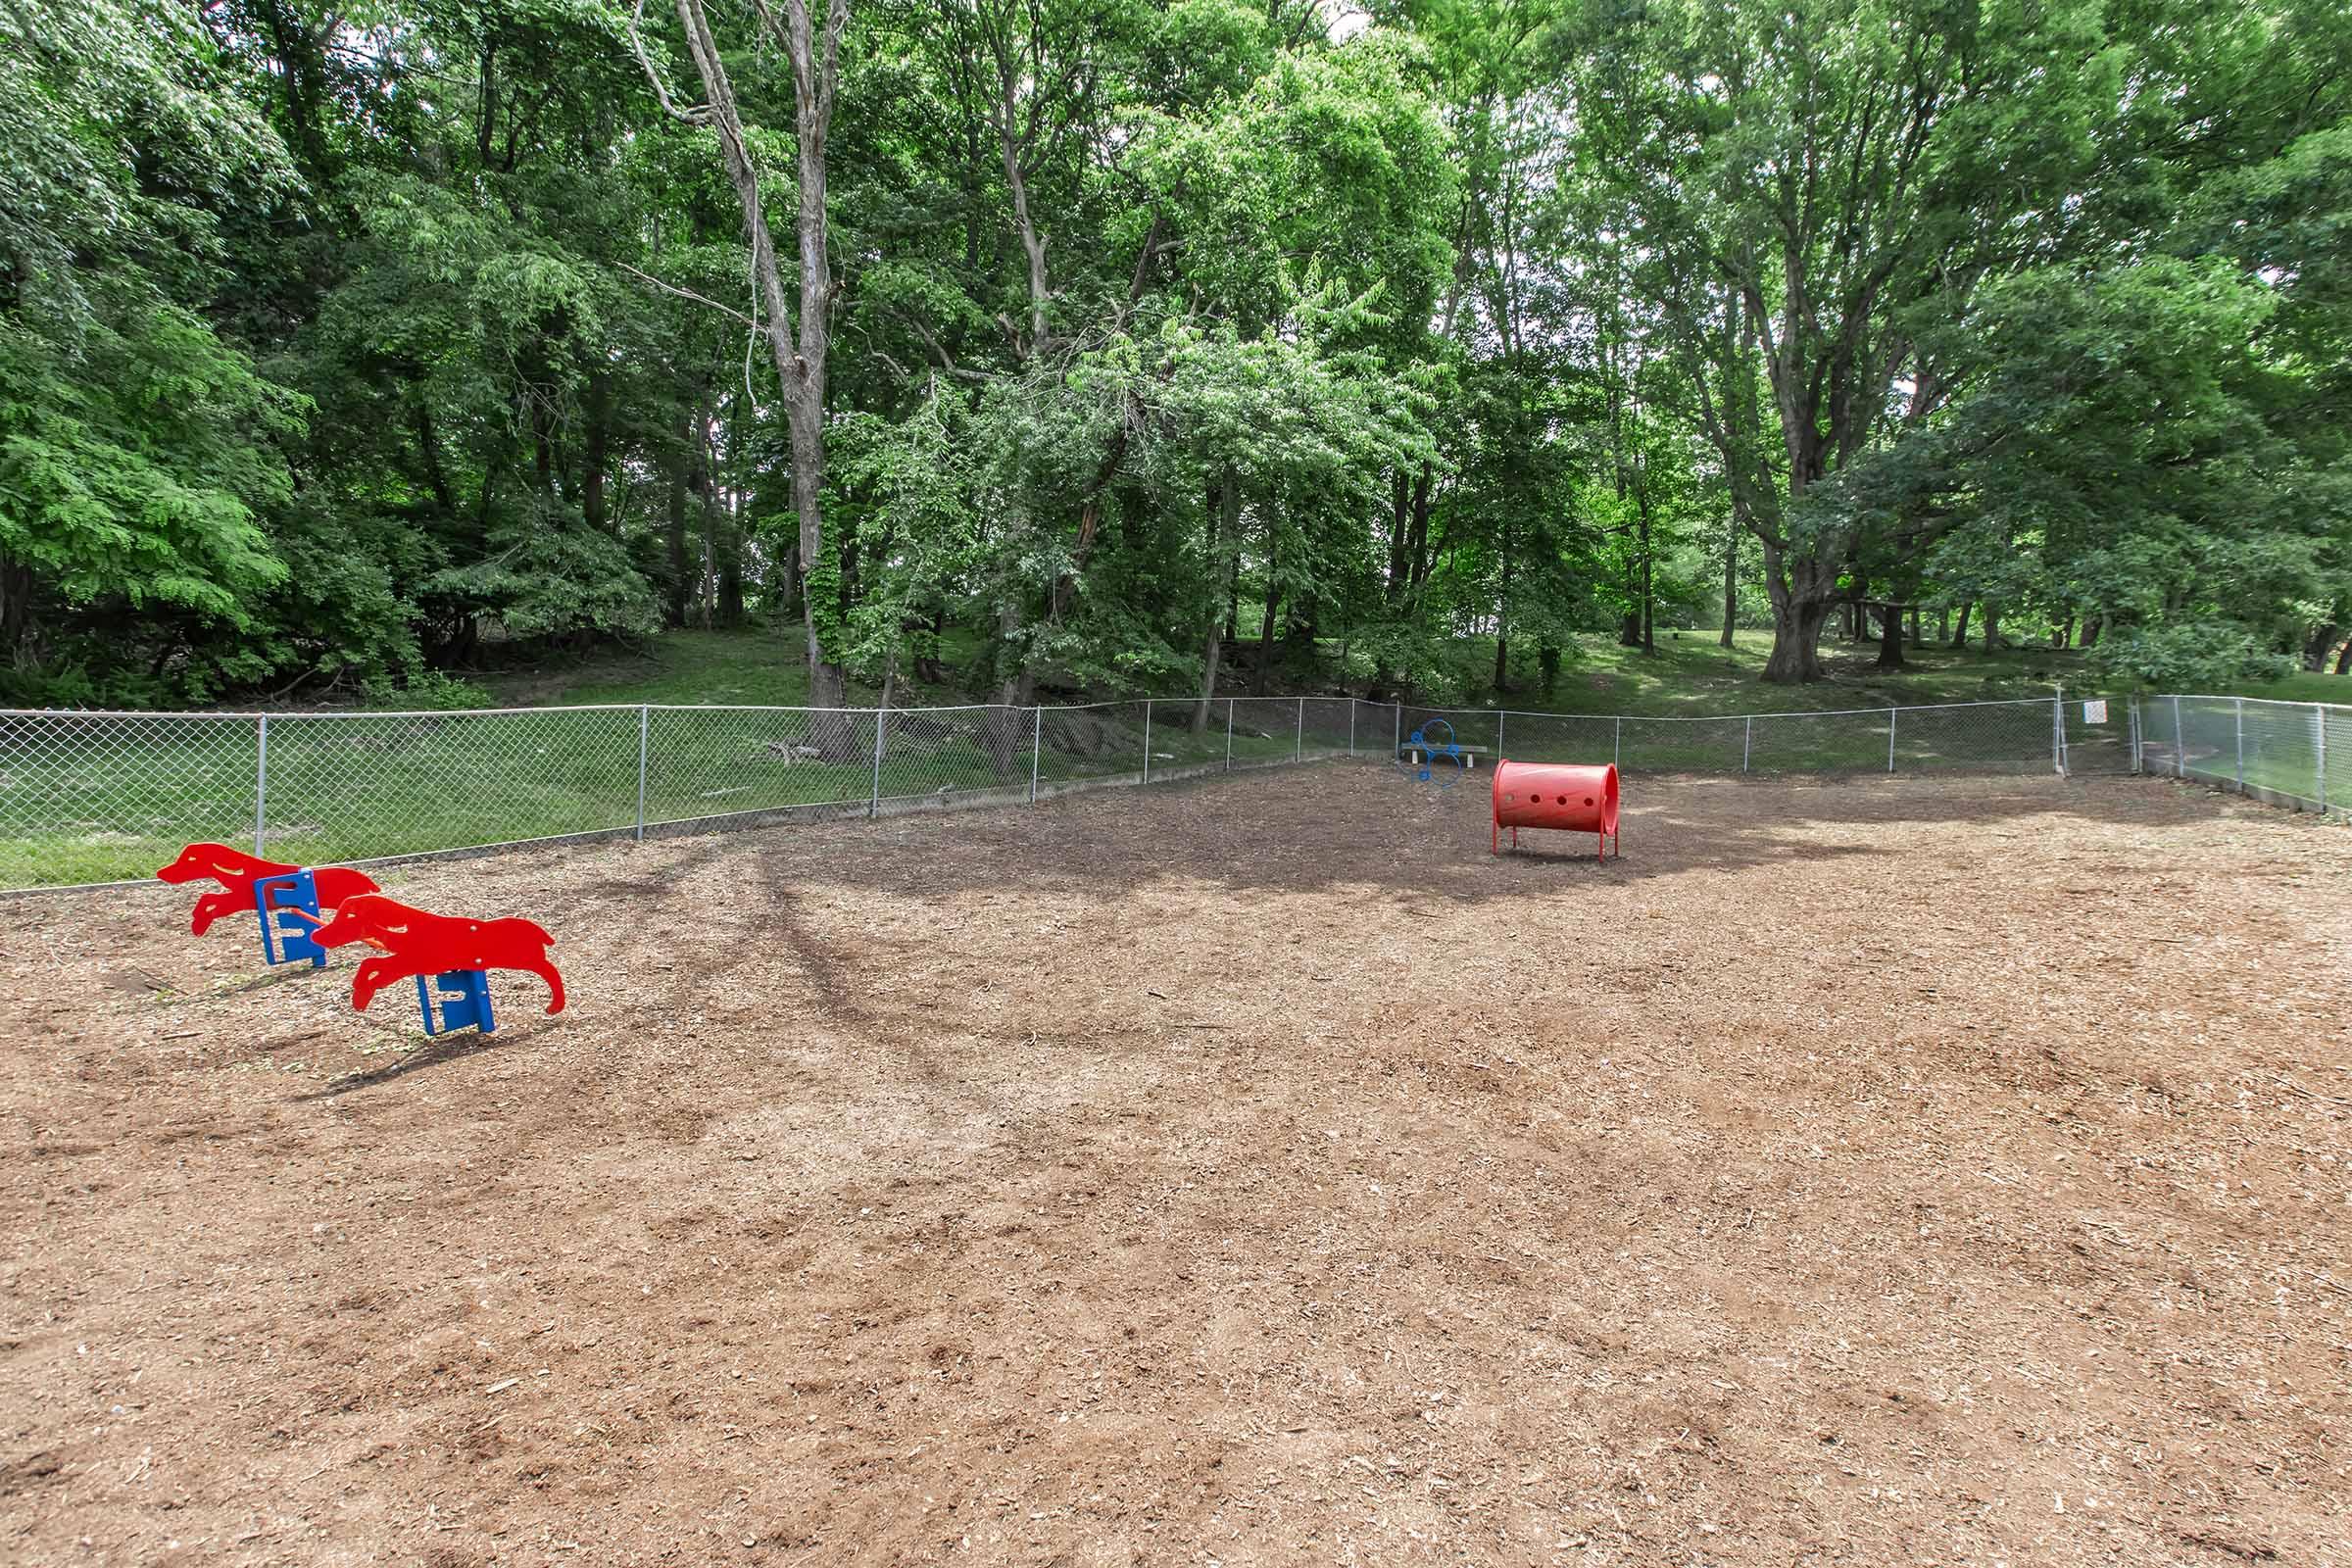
pixel 1024 346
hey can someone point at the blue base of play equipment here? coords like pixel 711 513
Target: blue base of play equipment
pixel 1430 744
pixel 464 995
pixel 282 902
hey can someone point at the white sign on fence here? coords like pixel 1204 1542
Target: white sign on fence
pixel 2095 712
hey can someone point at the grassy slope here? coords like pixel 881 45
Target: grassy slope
pixel 756 668
pixel 1689 677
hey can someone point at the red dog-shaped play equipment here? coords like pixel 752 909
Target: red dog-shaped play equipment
pixel 417 944
pixel 237 872
pixel 1572 799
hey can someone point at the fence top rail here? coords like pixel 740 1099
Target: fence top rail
pixel 361 713
pixel 2265 701
pixel 769 707
pixel 2042 703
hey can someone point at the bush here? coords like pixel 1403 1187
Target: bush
pixel 2187 658
pixel 430 691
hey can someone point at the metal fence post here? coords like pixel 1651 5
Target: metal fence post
pixel 2133 710
pixel 1228 734
pixel 2320 753
pixel 1617 745
pixel 1298 736
pixel 1146 740
pixel 644 723
pixel 1891 712
pixel 1351 729
pixel 2057 720
pixel 1036 747
pixel 873 805
pixel 1397 732
pixel 2318 723
pixel 1747 744
pixel 2179 743
pixel 261 785
pixel 2242 746
pixel 1498 712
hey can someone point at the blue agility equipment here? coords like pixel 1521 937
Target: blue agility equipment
pixel 464 995
pixel 1432 742
pixel 288 907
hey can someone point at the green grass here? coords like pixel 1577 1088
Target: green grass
pixel 1691 676
pixel 85 801
pixel 2300 687
pixel 752 668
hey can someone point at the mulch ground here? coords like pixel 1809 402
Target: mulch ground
pixel 1244 1171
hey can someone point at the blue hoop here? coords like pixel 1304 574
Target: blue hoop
pixel 1426 749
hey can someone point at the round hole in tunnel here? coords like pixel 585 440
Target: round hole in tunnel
pixel 1587 800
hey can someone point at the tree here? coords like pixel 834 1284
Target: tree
pixel 138 451
pixel 797 344
pixel 1849 174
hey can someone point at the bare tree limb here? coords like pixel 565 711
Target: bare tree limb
pixel 727 311
pixel 691 114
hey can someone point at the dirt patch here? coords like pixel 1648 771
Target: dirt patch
pixel 1250 1171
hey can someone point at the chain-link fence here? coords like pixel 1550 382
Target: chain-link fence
pixel 2289 754
pixel 89 797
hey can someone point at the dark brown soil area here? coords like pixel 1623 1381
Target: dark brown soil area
pixel 1250 1171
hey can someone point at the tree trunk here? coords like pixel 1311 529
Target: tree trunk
pixel 1891 637
pixel 1010 728
pixel 1796 627
pixel 1502 619
pixel 16 609
pixel 1649 606
pixel 1803 593
pixel 2343 660
pixel 1400 532
pixel 2317 645
pixel 724 570
pixel 1418 549
pixel 1016 684
pixel 2091 627
pixel 1265 633
pixel 1960 634
pixel 1992 628
pixel 596 450
pixel 1225 528
pixel 1944 626
pixel 730 579
pixel 1730 575
pixel 675 594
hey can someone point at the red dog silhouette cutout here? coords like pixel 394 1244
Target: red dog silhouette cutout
pixel 417 942
pixel 236 872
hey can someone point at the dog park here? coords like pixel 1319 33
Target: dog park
pixel 1255 1167
pixel 1175 784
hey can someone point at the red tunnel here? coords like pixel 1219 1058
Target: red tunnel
pixel 1573 799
